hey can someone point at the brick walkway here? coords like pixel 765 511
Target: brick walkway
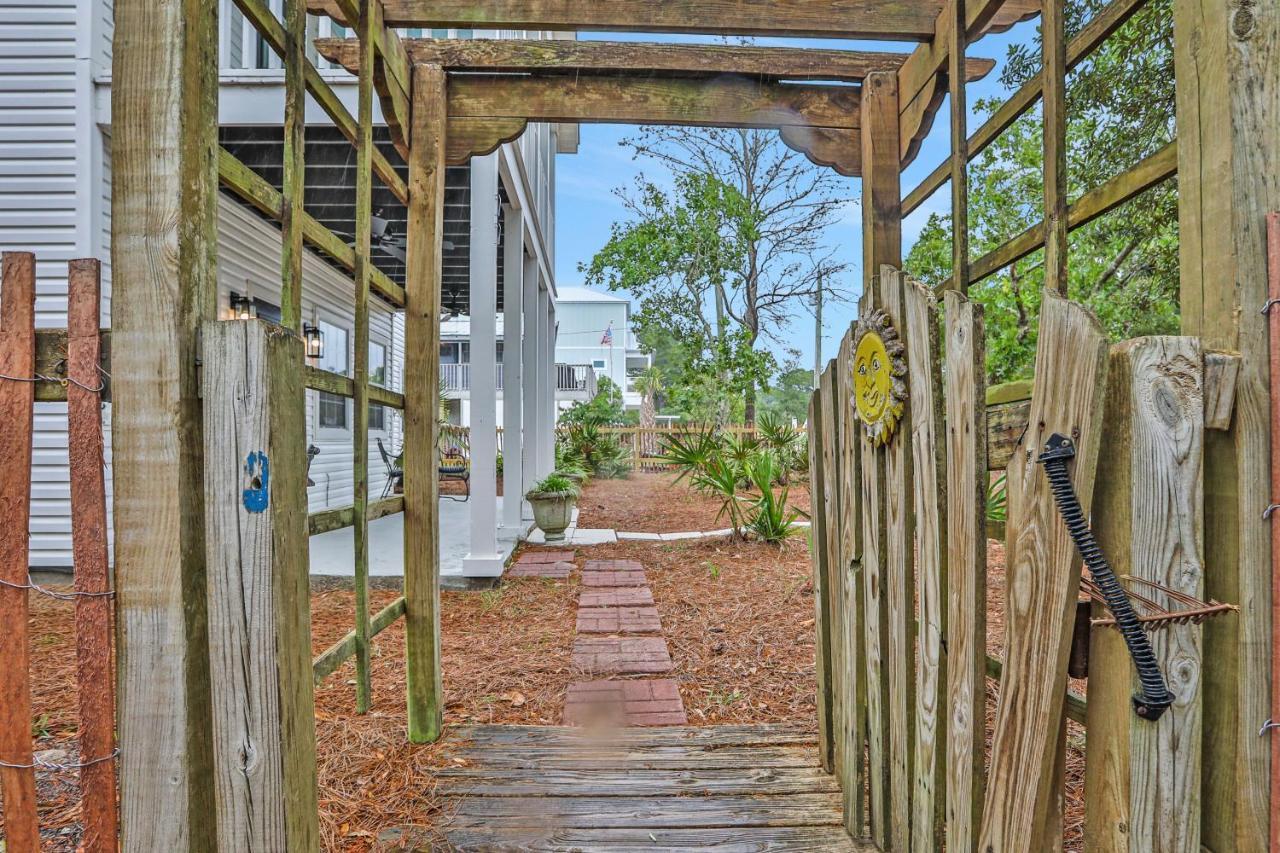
pixel 620 634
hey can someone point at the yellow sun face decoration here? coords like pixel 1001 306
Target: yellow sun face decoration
pixel 879 371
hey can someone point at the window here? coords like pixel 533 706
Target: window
pixel 455 352
pixel 377 364
pixel 332 410
pixel 598 364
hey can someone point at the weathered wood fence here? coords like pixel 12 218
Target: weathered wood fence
pixel 31 366
pixel 901 581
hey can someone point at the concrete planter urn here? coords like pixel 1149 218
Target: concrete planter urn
pixel 553 501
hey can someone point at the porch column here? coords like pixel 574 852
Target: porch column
pixel 512 370
pixel 483 560
pixel 546 387
pixel 529 382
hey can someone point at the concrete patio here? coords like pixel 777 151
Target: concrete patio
pixel 331 552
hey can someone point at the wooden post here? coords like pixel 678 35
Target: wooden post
pixel 259 593
pixel 360 421
pixel 819 422
pixel 295 125
pixel 881 177
pixel 957 40
pixel 89 549
pixel 1054 86
pixel 1142 779
pixel 1227 62
pixel 966 491
pixel 17 401
pixel 422 367
pixel 164 133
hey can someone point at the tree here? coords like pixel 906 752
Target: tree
pixel 605 408
pixel 649 384
pixel 789 396
pixel 724 259
pixel 1124 266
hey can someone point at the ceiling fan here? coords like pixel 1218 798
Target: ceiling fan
pixel 383 238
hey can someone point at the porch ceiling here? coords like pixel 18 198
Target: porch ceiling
pixel 330 197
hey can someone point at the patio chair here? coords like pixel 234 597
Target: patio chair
pixel 455 459
pixel 395 474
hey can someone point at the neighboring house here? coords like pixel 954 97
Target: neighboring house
pixel 574 382
pixel 55 190
pixel 595 328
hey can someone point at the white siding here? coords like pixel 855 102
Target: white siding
pixel 249 250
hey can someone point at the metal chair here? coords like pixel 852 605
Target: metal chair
pixel 454 447
pixel 395 474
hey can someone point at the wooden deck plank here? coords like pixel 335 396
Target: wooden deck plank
pixel 505 782
pixel 731 840
pixel 714 788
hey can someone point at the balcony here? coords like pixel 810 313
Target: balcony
pixel 573 381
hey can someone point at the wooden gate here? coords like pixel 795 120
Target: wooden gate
pixel 901 580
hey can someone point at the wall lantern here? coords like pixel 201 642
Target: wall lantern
pixel 242 307
pixel 313 340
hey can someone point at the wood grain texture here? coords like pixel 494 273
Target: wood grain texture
pixel 294 156
pixel 929 461
pixel 1227 62
pixel 1043 572
pixel 876 620
pixel 853 670
pixel 421 418
pixel 724 788
pixel 900 588
pixel 881 181
pixel 569 57
pixel 259 625
pixel 888 19
pixel 1142 779
pixel 957 44
pixel 1221 369
pixel 17 399
pixel 966 490
pixel 333 657
pixel 833 499
pixel 366 29
pixel 1053 87
pixel 164 132
pixel 723 102
pixel 94 673
pixel 825 146
pixel 819 407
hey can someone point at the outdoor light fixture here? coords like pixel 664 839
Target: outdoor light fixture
pixel 242 307
pixel 313 340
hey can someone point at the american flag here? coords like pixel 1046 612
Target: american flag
pixel 607 340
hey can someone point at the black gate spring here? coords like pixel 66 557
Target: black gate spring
pixel 1155 698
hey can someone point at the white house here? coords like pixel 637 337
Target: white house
pixel 55 187
pixel 594 340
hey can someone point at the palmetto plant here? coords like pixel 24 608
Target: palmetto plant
pixel 769 517
pixel 689 452
pixel 719 478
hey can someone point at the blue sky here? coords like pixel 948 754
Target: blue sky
pixel 587 206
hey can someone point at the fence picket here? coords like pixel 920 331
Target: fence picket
pixel 17 398
pixel 818 553
pixel 967 475
pixel 929 460
pixel 89 548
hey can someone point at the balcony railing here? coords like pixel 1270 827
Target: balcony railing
pixel 570 378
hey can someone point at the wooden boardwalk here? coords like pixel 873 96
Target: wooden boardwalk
pixel 722 788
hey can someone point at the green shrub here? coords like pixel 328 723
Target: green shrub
pixel 689 452
pixel 554 485
pixel 769 517
pixel 998 499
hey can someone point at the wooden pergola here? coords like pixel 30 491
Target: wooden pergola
pixel 183 566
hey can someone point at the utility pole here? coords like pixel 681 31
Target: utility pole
pixel 817 335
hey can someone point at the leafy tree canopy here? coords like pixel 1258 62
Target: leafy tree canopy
pixel 1124 266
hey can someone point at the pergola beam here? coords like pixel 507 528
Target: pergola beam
pixel 604 57
pixel 722 102
pixel 867 19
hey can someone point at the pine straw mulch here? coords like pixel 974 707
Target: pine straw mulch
pixel 654 503
pixel 739 621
